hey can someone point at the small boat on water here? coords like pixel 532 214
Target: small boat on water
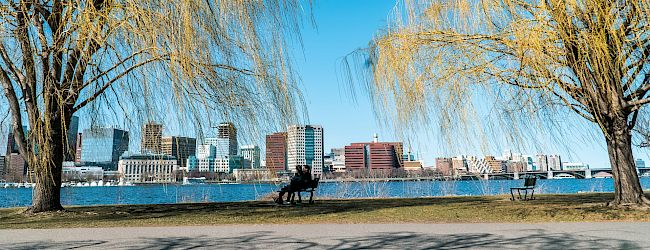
pixel 193 181
pixel 564 176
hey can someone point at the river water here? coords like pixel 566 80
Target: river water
pixel 171 193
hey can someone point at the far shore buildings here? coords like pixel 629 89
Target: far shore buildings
pixel 217 154
pixel 305 147
pixel 374 155
pixel 507 163
pixel 147 168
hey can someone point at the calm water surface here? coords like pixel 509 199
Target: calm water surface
pixel 156 194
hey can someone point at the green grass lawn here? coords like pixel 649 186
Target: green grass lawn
pixel 467 209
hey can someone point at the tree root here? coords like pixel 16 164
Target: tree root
pixel 643 204
pixel 32 210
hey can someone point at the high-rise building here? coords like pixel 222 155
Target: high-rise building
pixel 226 140
pixel 180 147
pixel 639 163
pixel 103 147
pixel 78 147
pixel 71 151
pixel 374 155
pixel 251 155
pixel 305 147
pixel 151 138
pixel 276 151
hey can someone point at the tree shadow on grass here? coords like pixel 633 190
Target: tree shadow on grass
pixel 252 209
pixel 533 239
pixel 266 211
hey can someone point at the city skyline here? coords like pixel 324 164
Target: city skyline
pixel 418 156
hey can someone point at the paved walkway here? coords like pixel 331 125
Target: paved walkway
pixel 393 236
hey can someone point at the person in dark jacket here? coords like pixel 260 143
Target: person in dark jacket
pixel 295 185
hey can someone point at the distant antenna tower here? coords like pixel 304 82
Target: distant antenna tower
pixel 375 138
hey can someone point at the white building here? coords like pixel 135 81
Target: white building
pixel 222 164
pixel 206 164
pixel 147 168
pixel 338 160
pixel 219 154
pixel 251 155
pixel 477 165
pixel 305 147
pixel 206 151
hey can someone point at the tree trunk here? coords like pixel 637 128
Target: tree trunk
pixel 48 167
pixel 627 187
pixel 47 192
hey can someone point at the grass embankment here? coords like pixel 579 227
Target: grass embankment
pixel 473 209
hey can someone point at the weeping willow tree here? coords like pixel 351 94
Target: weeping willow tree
pixel 533 60
pixel 59 56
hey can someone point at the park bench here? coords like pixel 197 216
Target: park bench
pixel 529 184
pixel 310 188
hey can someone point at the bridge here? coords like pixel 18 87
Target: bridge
pixel 551 174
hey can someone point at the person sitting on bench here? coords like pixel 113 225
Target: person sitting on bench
pixel 297 182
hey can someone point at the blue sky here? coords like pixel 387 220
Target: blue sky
pixel 343 26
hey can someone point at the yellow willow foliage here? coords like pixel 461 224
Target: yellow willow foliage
pixel 202 58
pixel 524 64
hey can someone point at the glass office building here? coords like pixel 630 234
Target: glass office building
pixel 104 146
